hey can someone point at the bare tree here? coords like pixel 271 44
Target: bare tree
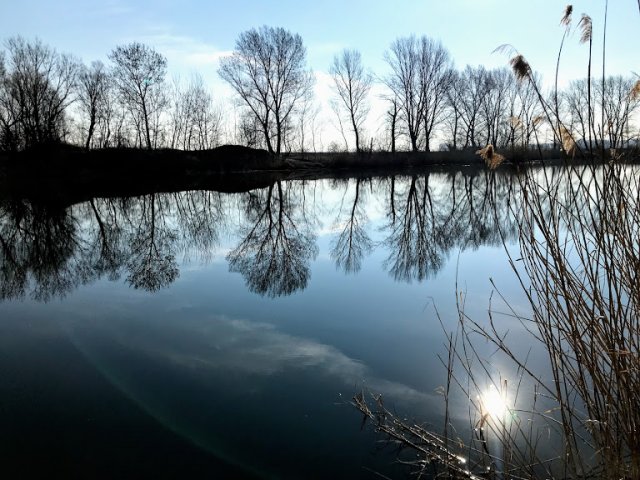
pixel 300 133
pixel 268 71
pixel 391 117
pixel 249 130
pixel 436 70
pixel 352 86
pixel 206 118
pixel 195 122
pixel 453 120
pixel 532 111
pixel 495 106
pixel 93 95
pixel 475 87
pixel 138 75
pixel 36 87
pixel 421 73
pixel 575 100
pixel 618 106
pixel 333 103
pixel 6 120
pixel 403 82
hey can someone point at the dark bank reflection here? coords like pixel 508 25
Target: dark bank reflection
pixel 48 251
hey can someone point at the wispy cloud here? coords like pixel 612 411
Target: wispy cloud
pixel 186 51
pixel 220 345
pixel 202 58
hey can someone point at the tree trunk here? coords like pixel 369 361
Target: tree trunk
pixel 146 125
pixel 355 131
pixel 92 125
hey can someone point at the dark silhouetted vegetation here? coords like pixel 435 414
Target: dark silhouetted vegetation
pixel 51 98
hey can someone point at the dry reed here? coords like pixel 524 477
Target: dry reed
pixel 521 68
pixel 568 143
pixel 580 274
pixel 635 91
pixel 490 156
pixel 566 18
pixel 586 28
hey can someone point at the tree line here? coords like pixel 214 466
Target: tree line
pixel 49 97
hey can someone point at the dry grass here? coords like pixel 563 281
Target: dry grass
pixel 490 156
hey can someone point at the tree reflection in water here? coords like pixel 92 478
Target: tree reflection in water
pixel 353 241
pixel 152 262
pixel 427 219
pixel 414 251
pixel 48 251
pixel 39 242
pixel 275 252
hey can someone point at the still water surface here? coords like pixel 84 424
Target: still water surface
pixel 203 334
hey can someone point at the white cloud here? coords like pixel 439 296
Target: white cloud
pixel 206 58
pixel 241 347
pixel 185 52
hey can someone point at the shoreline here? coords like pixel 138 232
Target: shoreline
pixel 65 175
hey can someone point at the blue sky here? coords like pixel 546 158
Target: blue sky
pixel 194 34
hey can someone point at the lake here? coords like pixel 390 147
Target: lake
pixel 206 334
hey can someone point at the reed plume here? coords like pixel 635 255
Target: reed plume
pixel 521 68
pixel 566 18
pixel 586 28
pixel 566 21
pixel 490 156
pixel 635 91
pixel 568 143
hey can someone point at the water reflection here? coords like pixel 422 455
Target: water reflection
pixel 353 242
pixel 38 244
pixel 273 232
pixel 429 217
pixel 277 245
